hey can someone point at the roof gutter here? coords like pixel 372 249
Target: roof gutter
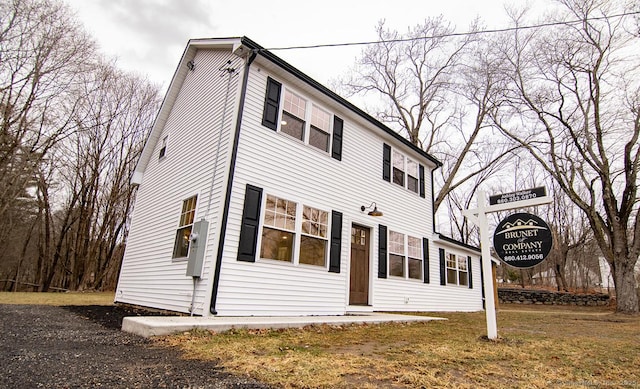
pixel 227 200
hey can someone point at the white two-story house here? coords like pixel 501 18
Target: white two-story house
pixel 263 193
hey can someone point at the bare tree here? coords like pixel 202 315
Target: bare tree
pixel 437 90
pixel 42 52
pixel 575 93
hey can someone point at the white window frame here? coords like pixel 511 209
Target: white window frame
pixel 297 232
pixel 184 226
pixel 406 253
pixel 310 104
pixel 405 171
pixel 460 261
pixel 162 154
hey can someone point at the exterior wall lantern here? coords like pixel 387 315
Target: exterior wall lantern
pixel 374 211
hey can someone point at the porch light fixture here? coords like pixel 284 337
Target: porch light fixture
pixel 373 212
pixel 191 65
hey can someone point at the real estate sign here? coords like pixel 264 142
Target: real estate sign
pixel 522 240
pixel 526 194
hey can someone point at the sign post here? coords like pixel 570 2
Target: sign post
pixel 478 216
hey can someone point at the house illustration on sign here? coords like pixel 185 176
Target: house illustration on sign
pixel 257 192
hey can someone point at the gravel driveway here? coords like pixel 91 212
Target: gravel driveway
pixel 78 347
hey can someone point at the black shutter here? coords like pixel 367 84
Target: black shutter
pixel 336 242
pixel 469 272
pixel 271 104
pixel 425 259
pixel 421 182
pixel 386 162
pixel 443 268
pixel 336 148
pixel 382 251
pixel 250 223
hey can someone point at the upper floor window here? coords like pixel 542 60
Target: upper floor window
pixel 457 270
pixel 185 225
pixel 402 170
pixel 163 148
pixel 300 118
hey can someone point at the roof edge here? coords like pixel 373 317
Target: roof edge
pixel 331 94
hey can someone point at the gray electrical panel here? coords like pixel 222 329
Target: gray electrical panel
pixel 198 241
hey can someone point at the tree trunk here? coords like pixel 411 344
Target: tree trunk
pixel 625 283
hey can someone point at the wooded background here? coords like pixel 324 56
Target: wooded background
pixel 554 100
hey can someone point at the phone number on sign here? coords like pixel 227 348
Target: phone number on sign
pixel 527 257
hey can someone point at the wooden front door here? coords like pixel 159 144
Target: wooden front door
pixel 359 270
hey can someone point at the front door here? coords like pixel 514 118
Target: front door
pixel 359 270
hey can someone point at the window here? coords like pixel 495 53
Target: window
pixel 396 254
pixel 293 114
pixel 282 235
pixel 457 272
pixel 181 245
pixel 398 168
pixel 278 232
pixel 313 241
pixel 401 265
pixel 402 170
pixel 163 149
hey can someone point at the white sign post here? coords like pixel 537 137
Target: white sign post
pixel 478 217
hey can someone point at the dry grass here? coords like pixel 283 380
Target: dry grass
pixel 86 298
pixel 539 348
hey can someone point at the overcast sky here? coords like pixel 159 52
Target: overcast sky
pixel 149 36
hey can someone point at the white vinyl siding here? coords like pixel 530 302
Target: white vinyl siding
pixel 149 277
pixel 279 165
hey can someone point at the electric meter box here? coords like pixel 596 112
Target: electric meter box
pixel 197 242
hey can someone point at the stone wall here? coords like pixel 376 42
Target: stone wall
pixel 544 297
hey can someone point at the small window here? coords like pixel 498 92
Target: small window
pixel 278 233
pixel 293 114
pixel 163 149
pixel 457 272
pixel 398 168
pixel 313 240
pixel 181 245
pixel 396 254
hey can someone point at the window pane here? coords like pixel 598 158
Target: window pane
pixel 452 276
pixel 462 263
pixel 398 161
pixel 276 244
pixel 396 265
pixel 415 247
pixel 396 242
pixel 294 104
pixel 312 251
pixel 398 176
pixel 291 125
pixel 464 278
pixel 412 168
pixel 412 184
pixel 319 139
pixel 181 245
pixel 314 221
pixel 415 268
pixel 320 119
